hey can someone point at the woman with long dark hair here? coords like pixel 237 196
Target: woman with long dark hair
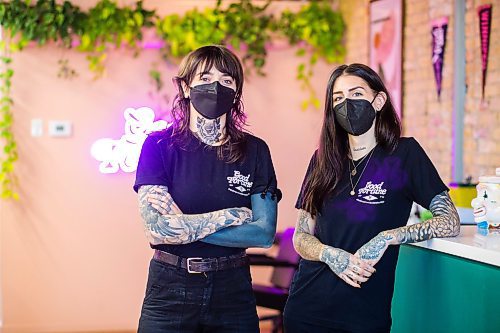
pixel 353 209
pixel 207 191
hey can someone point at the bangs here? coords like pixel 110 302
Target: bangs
pixel 221 63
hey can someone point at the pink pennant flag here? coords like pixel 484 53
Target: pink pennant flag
pixel 484 13
pixel 439 28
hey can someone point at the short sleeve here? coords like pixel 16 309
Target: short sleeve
pixel 150 170
pixel 265 176
pixel 425 182
pixel 300 200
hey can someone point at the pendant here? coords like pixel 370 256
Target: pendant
pixel 352 192
pixel 353 172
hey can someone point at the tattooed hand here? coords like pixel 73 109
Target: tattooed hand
pixel 163 202
pixel 372 251
pixel 348 267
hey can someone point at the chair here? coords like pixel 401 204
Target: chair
pixel 285 264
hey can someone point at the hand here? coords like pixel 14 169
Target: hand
pixel 348 267
pixel 373 251
pixel 163 202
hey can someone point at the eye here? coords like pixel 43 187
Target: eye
pixel 204 79
pixel 337 99
pixel 228 82
pixel 357 94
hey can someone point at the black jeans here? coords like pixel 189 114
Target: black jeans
pixel 292 325
pixel 178 301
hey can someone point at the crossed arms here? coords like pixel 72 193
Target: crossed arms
pixel 357 268
pixel 164 223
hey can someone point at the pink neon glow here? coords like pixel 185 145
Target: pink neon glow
pixel 124 153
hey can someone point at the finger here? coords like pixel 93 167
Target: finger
pixel 157 197
pixel 158 190
pixel 348 280
pixel 155 201
pixel 356 277
pixel 175 209
pixel 367 265
pixel 159 209
pixel 360 271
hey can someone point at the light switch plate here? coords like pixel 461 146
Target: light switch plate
pixel 36 127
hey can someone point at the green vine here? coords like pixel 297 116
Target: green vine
pixel 7 179
pixel 316 29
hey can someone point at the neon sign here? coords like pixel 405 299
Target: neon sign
pixel 124 153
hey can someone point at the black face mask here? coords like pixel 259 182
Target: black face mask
pixel 355 115
pixel 212 100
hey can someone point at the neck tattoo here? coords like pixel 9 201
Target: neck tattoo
pixel 359 148
pixel 209 130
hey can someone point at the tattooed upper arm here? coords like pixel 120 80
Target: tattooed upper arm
pixel 446 220
pixel 444 223
pixel 304 241
pixel 149 215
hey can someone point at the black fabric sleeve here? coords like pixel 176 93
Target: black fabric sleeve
pixel 300 200
pixel 265 177
pixel 425 182
pixel 150 170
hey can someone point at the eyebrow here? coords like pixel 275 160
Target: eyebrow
pixel 209 73
pixel 339 92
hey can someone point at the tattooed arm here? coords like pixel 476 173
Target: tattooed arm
pixel 445 223
pixel 258 233
pixel 178 228
pixel 345 265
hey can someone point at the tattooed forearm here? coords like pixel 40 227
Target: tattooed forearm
pixel 346 266
pixel 445 223
pixel 308 246
pixel 337 259
pixel 181 228
pixel 375 248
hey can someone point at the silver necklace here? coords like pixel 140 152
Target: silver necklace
pixel 361 174
pixel 354 170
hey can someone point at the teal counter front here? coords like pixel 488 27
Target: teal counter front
pixel 449 285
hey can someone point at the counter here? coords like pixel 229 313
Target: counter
pixel 449 285
pixel 472 243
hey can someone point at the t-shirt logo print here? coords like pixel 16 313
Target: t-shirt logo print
pixel 372 194
pixel 239 183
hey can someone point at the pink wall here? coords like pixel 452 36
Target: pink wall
pixel 73 256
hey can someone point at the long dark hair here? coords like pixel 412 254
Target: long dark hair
pixel 227 62
pixel 333 152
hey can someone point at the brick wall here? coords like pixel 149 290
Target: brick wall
pixel 425 117
pixel 482 117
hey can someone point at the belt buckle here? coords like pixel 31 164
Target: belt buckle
pixel 188 263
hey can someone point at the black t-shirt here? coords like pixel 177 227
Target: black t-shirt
pixel 199 182
pixel 383 197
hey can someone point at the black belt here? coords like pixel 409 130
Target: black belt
pixel 200 265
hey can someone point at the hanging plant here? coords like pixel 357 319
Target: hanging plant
pixel 7 179
pixel 316 29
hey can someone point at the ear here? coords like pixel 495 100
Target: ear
pixel 379 101
pixel 185 89
pixel 181 86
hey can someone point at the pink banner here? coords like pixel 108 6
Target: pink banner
pixel 386 44
pixel 439 28
pixel 484 13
